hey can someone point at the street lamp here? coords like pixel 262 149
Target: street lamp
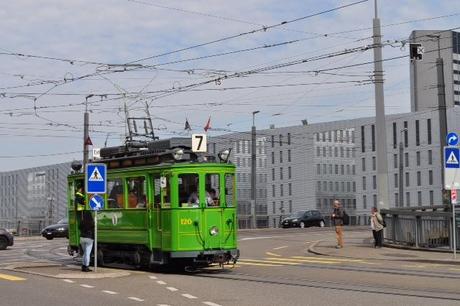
pixel 253 171
pixel 401 167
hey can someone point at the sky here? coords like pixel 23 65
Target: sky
pixel 193 60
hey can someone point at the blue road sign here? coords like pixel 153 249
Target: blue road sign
pixel 96 178
pixel 96 202
pixel 451 157
pixel 452 139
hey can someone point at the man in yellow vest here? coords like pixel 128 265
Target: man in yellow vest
pixel 80 198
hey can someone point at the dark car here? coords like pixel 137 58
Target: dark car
pixel 304 218
pixel 60 229
pixel 6 239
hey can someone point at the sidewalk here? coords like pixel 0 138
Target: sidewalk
pixel 65 271
pixel 362 247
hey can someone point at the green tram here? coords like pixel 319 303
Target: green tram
pixel 164 205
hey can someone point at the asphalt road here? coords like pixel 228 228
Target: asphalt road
pixel 275 269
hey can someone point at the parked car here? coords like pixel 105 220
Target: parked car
pixel 6 239
pixel 304 218
pixel 60 229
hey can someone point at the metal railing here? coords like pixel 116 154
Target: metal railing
pixel 419 228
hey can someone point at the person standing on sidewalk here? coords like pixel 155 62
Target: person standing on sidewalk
pixel 377 227
pixel 337 220
pixel 86 238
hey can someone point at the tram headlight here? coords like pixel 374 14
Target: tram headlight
pixel 224 155
pixel 178 154
pixel 214 231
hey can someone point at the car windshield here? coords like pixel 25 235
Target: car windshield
pixel 297 214
pixel 63 221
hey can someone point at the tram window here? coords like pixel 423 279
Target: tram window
pixel 188 190
pixel 156 191
pixel 136 192
pixel 166 192
pixel 76 189
pixel 229 189
pixel 212 190
pixel 115 191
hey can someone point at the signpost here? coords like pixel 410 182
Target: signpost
pixel 96 184
pixel 452 178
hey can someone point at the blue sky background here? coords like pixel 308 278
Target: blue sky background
pixel 121 31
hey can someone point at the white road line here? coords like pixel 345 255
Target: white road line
pixel 86 286
pixel 160 282
pixel 172 289
pixel 135 299
pixel 211 304
pixel 109 292
pixel 163 305
pixel 153 277
pixel 281 247
pixel 189 296
pixel 68 281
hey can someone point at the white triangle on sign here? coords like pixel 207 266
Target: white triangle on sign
pixel 452 160
pixel 96 176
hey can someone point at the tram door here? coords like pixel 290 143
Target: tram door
pixel 214 214
pixel 164 216
pixel 73 189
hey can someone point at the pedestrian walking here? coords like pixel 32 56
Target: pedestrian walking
pixel 86 238
pixel 337 220
pixel 377 225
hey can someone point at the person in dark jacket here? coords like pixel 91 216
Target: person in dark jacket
pixel 86 238
pixel 337 220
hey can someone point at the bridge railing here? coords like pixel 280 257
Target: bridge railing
pixel 424 227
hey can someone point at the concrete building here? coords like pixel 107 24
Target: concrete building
pixel 32 198
pixel 424 82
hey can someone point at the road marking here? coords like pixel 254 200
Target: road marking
pixel 153 277
pixel 273 261
pixel 189 296
pixel 172 289
pixel 86 286
pixel 290 261
pixel 11 277
pixel 135 299
pixel 211 304
pixel 163 305
pixel 257 264
pixel 281 247
pixel 109 292
pixel 160 282
pixel 329 258
pixel 272 254
pixel 68 281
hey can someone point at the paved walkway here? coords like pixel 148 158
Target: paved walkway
pixel 360 246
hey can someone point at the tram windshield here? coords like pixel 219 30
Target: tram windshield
pixel 188 190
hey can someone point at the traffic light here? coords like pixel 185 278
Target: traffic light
pixel 416 52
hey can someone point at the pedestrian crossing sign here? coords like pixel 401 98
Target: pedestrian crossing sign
pixel 451 157
pixel 96 181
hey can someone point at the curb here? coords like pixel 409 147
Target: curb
pixel 313 250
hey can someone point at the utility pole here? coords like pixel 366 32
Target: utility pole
pixel 382 163
pixel 401 167
pixel 86 133
pixel 253 172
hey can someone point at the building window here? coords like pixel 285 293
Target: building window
pixel 418 158
pixel 396 199
pixel 407 179
pixel 406 158
pixel 324 151
pixel 419 198
pixel 274 193
pixel 406 135
pixel 273 140
pixel 364 201
pixel 318 186
pixel 318 169
pixel 430 177
pixel 290 173
pixel 281 172
pixel 290 189
pixel 273 174
pixel 396 180
pixel 274 207
pixel 317 137
pixel 430 157
pixel 431 197
pixel 395 161
pixel 337 186
pixel 336 169
pixel 374 163
pixel 364 183
pixel 281 140
pixel 419 178
pixel 373 137
pixel 353 169
pixel 374 197
pixel 395 135
pixel 354 186
pixel 290 206
pixel 428 127
pixel 417 133
pixel 363 139
pixel 363 164
pixel 342 169
pixel 273 157
pixel 374 182
pixel 318 151
pixel 407 199
pixel 281 156
pixel 289 138
pixel 281 190
pixel 318 203
pixel 289 155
